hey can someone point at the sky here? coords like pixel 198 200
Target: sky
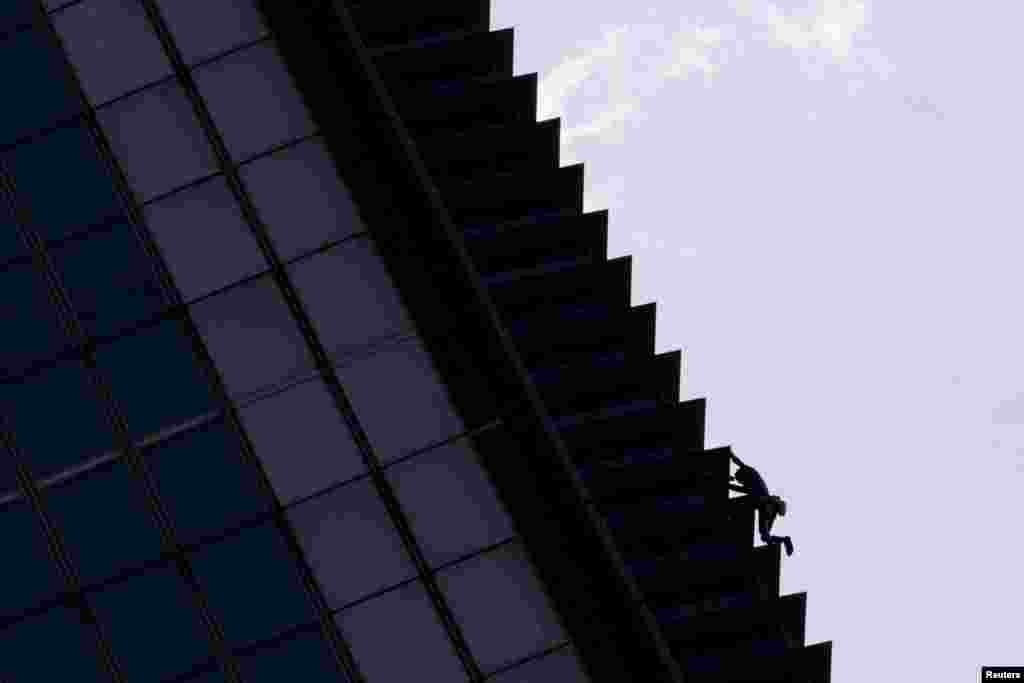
pixel 823 199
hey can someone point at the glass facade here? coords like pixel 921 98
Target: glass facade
pixel 226 454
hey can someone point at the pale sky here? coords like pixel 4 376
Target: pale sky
pixel 823 200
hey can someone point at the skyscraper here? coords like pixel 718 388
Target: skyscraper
pixel 314 369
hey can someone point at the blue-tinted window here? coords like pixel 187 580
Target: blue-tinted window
pixel 35 79
pixel 110 279
pixel 104 520
pixel 61 181
pixel 253 569
pixel 56 418
pixel 68 651
pixel 155 377
pixel 11 245
pixel 204 481
pixel 29 575
pixel 28 319
pixel 300 658
pixel 153 625
pixel 14 13
pixel 210 675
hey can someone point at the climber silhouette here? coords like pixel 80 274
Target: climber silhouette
pixel 768 506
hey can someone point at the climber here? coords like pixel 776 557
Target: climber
pixel 768 506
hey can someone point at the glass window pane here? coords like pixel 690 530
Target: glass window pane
pixel 471 517
pixel 30 64
pixel 500 582
pixel 11 244
pixel 399 386
pixel 30 577
pixel 304 657
pixel 16 12
pixel 153 625
pixel 76 659
pixel 8 480
pixel 204 481
pixel 209 675
pixel 304 176
pixel 57 418
pixel 206 29
pixel 350 543
pixel 112 47
pixel 110 279
pixel 271 581
pixel 157 139
pixel 402 616
pixel 302 441
pixel 156 378
pixel 103 518
pixel 350 298
pixel 29 320
pixel 67 159
pixel 561 666
pixel 255 318
pixel 204 239
pixel 253 101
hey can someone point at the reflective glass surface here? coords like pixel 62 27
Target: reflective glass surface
pixel 303 657
pixel 67 159
pixel 252 337
pixel 75 659
pixel 209 28
pixel 156 379
pixel 252 100
pixel 204 482
pixel 204 239
pixel 403 616
pixel 104 520
pixel 561 666
pixel 28 318
pixel 271 581
pixel 32 66
pixel 302 175
pixel 112 47
pixel 57 418
pixel 350 542
pixel 30 577
pixel 302 441
pixel 110 279
pixel 153 625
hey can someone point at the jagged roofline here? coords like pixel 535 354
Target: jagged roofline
pixel 543 261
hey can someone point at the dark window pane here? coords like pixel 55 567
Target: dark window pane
pixel 55 646
pixel 29 576
pixel 156 378
pixel 104 521
pixel 28 320
pixel 62 182
pixel 300 658
pixel 31 66
pixel 153 625
pixel 204 481
pixel 211 675
pixel 8 482
pixel 57 418
pixel 11 245
pixel 110 279
pixel 16 12
pixel 253 568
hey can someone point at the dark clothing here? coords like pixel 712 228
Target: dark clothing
pixel 751 480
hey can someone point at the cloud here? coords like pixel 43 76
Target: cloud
pixel 1010 411
pixel 633 62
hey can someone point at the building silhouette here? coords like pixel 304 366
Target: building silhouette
pixel 314 369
